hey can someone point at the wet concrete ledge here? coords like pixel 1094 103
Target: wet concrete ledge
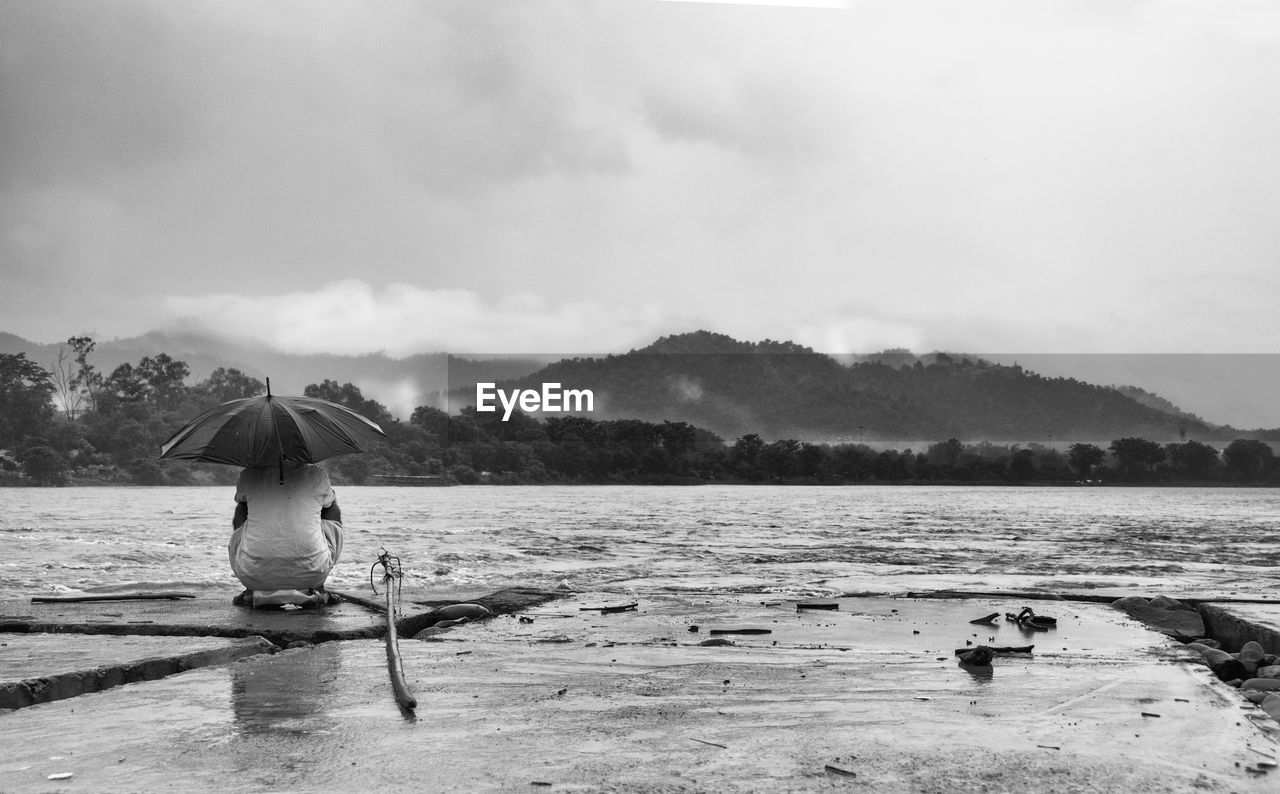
pixel 265 631
pixel 1235 624
pixel 280 638
pixel 30 691
pixel 254 631
pixel 215 616
pixel 869 696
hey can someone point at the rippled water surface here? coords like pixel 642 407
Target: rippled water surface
pixel 793 540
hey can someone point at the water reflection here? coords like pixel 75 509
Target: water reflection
pixel 288 693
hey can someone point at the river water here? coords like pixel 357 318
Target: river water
pixel 797 541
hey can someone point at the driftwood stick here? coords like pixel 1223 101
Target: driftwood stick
pixel 392 577
pixel 1000 649
pixel 364 602
pixel 401 687
pixel 607 609
pixel 713 744
pixel 66 599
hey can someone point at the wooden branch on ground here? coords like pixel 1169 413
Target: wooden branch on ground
pixel 67 599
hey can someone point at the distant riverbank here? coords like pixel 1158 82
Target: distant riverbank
pixel 227 478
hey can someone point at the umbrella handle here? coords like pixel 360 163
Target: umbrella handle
pixel 279 442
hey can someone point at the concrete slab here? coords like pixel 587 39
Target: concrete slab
pixel 213 615
pixel 48 657
pixel 208 615
pixel 592 701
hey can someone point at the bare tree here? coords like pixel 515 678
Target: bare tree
pixel 74 379
pixel 65 393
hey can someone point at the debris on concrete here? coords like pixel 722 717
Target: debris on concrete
pixel 1028 619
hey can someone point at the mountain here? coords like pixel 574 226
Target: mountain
pixel 781 389
pixel 776 389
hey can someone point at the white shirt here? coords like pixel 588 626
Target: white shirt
pixel 282 544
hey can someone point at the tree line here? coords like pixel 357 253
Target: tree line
pixel 74 424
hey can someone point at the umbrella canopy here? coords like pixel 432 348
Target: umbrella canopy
pixel 260 431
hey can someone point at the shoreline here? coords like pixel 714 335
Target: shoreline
pixel 1197 484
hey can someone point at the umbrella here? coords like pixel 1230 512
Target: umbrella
pixel 259 431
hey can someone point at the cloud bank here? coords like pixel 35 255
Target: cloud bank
pixel 988 175
pixel 401 319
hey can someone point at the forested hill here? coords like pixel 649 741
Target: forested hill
pixel 401 383
pixel 785 390
pixel 774 389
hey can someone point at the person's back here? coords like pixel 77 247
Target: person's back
pixel 283 542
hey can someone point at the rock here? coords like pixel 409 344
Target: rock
pixel 1165 602
pixel 1198 647
pixel 1213 656
pixel 1158 614
pixel 1225 666
pixel 1255 695
pixel 455 611
pixel 716 643
pixel 1272 706
pixel 1130 601
pixel 1272 671
pixel 1230 670
pixel 1262 684
pixel 1209 641
pixel 444 624
pixel 1251 656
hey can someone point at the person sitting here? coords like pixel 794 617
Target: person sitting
pixel 287 534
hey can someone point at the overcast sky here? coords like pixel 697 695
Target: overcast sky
pixel 540 176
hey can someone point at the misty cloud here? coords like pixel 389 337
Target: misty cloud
pixel 862 332
pixel 401 319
